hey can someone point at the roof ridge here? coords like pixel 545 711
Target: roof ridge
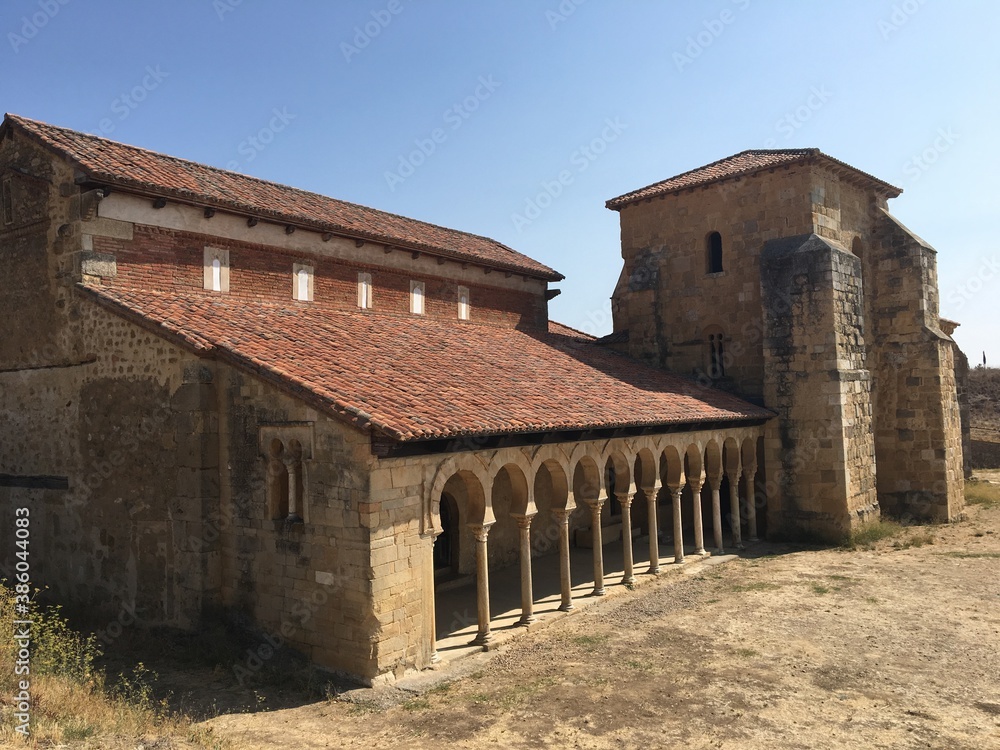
pixel 38 129
pixel 703 175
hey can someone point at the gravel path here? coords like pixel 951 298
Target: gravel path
pixel 894 647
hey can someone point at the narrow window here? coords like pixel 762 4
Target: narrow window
pixel 216 269
pixel 365 291
pixel 716 356
pixel 8 202
pixel 417 297
pixel 463 303
pixel 302 282
pixel 714 251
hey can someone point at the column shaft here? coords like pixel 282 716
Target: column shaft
pixel 734 510
pixel 717 519
pixel 654 531
pixel 625 500
pixel 597 537
pixel 565 582
pixel 678 527
pixel 527 598
pixel 751 506
pixel 699 524
pixel 483 636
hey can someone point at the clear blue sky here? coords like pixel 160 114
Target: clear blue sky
pixel 906 90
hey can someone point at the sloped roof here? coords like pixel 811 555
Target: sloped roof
pixel 413 378
pixel 740 165
pixel 129 167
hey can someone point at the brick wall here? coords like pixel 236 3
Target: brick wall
pixel 159 258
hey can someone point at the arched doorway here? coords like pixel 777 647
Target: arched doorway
pixel 447 543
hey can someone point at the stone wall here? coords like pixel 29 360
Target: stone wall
pixel 308 582
pixel 667 300
pixel 918 430
pixel 817 380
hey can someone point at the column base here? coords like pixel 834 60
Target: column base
pixel 526 621
pixel 653 570
pixel 598 592
pixel 566 607
pixel 679 560
pixel 435 657
pixel 628 581
pixel 482 639
pixel 701 552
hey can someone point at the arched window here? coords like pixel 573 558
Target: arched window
pixel 713 251
pixel 463 303
pixel 716 354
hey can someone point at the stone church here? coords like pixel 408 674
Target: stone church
pixel 224 397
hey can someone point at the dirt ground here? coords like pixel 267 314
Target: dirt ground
pixel 892 647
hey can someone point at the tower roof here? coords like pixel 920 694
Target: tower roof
pixel 744 164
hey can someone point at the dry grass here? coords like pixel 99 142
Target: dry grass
pixel 72 701
pixel 982 493
pixel 871 534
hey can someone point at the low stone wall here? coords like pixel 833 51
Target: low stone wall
pixel 985 455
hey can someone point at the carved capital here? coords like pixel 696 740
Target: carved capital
pixel 480 531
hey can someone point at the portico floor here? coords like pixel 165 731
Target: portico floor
pixel 456 603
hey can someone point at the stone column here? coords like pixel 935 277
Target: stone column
pixel 699 525
pixel 561 515
pixel 734 509
pixel 678 528
pixel 435 656
pixel 597 538
pixel 716 514
pixel 625 500
pixel 750 473
pixel 293 481
pixel 651 494
pixel 527 599
pixel 483 636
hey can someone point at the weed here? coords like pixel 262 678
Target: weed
pixel 755 586
pixel 982 493
pixel 417 704
pixel 972 555
pixel 819 588
pixel 916 540
pixel 867 536
pixel 747 653
pixel 590 642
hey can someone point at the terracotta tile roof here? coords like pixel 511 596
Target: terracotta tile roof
pixel 130 167
pixel 415 378
pixel 739 165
